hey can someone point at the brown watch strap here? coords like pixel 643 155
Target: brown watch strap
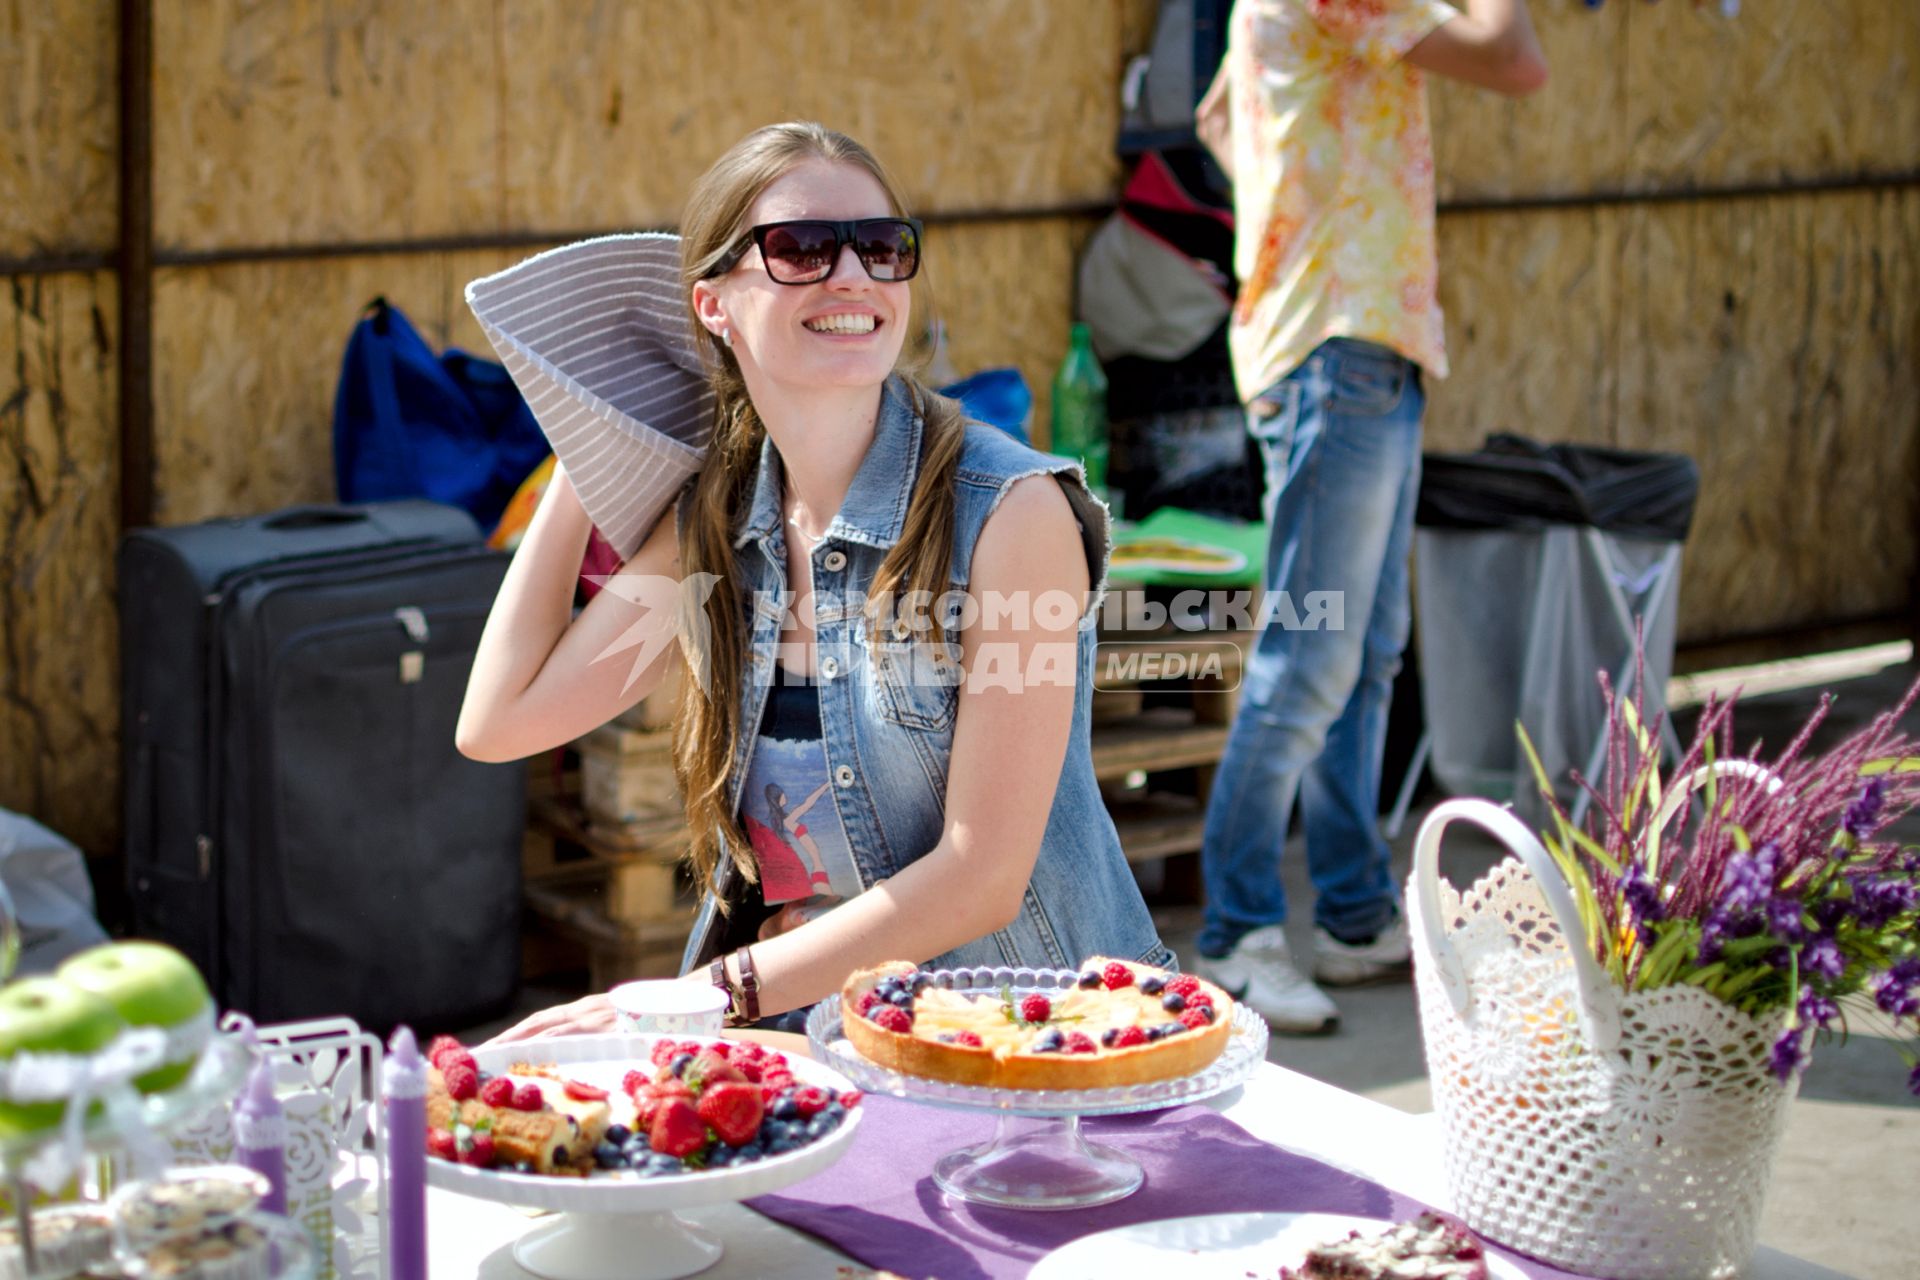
pixel 749 983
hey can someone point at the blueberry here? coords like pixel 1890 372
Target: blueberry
pixel 1171 1029
pixel 637 1151
pixel 1173 1002
pixel 608 1155
pixel 835 1110
pixel 900 999
pixel 826 1122
pixel 1050 1041
pixel 785 1109
pixel 618 1134
pixel 722 1157
pixel 781 1145
pixel 921 981
pixel 1108 1036
pixel 1153 986
pixel 1206 1012
pixel 681 1061
pixel 661 1162
pixel 1089 980
pixel 751 1152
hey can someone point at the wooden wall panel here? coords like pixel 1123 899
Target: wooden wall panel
pixel 1775 339
pixel 59 174
pixel 313 121
pixel 59 518
pixel 247 357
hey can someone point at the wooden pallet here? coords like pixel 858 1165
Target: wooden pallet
pixel 617 950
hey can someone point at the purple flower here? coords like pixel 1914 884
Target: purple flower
pixel 1822 957
pixel 1828 913
pixel 1789 1054
pixel 1784 919
pixel 1875 902
pixel 1897 991
pixel 1643 895
pixel 1747 882
pixel 1779 957
pixel 1911 863
pixel 1913 1080
pixel 1817 1010
pixel 1863 815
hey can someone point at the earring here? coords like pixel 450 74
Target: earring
pixel 726 338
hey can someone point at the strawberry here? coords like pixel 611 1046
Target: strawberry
pixel 1078 1042
pixel 1186 986
pixel 811 1100
pixel 580 1092
pixel 440 1143
pixel 851 1098
pixel 1116 975
pixel 733 1109
pixel 441 1045
pixel 892 1018
pixel 463 1082
pixel 677 1129
pixel 710 1066
pixel 1035 1008
pixel 497 1092
pixel 479 1152
pixel 529 1098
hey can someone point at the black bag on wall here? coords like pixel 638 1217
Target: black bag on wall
pixel 297 818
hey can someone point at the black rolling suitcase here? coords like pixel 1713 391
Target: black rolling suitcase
pixel 297 818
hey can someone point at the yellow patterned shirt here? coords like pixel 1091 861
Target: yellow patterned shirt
pixel 1333 182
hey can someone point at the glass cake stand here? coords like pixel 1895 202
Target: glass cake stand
pixel 1037 1157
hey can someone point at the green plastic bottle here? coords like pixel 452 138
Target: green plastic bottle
pixel 1080 409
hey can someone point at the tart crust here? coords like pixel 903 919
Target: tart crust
pixel 1004 1066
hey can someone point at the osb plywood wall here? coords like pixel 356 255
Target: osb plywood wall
pixel 309 154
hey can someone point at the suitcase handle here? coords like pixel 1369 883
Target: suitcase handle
pixel 313 517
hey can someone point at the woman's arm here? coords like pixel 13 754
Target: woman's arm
pixel 541 676
pixel 1009 742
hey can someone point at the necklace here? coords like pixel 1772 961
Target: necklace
pixel 812 539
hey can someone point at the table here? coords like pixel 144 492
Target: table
pixel 1401 1151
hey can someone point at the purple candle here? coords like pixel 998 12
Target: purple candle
pixel 260 1135
pixel 403 1092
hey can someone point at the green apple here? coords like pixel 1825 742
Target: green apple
pixel 152 985
pixel 46 1015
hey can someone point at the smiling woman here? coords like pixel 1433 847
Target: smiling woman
pixel 854 793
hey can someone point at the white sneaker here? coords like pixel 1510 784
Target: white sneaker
pixel 1259 973
pixel 1388 958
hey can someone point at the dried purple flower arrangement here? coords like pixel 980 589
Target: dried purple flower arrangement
pixel 1776 897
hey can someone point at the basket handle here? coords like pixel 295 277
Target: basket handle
pixel 1599 1007
pixel 1678 795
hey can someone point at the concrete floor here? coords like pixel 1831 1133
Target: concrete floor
pixel 1850 1161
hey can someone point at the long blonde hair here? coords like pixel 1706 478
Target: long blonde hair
pixel 707 731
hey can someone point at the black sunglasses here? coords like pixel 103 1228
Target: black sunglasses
pixel 805 250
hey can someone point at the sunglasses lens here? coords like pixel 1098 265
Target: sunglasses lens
pixel 797 252
pixel 888 248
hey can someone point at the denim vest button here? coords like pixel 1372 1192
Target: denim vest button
pixel 829 668
pixel 843 776
pixel 834 561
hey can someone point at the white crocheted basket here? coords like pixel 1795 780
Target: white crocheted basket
pixel 1624 1135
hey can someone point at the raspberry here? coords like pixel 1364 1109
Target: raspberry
pixel 890 1018
pixel 584 1092
pixel 529 1098
pixel 775 1082
pixel 1186 984
pixel 1197 1018
pixel 1035 1008
pixel 811 1100
pixel 865 1003
pixel 463 1082
pixel 967 1038
pixel 1078 1042
pixel 851 1098
pixel 440 1143
pixel 630 1083
pixel 1116 975
pixel 497 1092
pixel 480 1153
pixel 1127 1037
pixel 677 1129
pixel 751 1069
pixel 1199 1000
pixel 443 1044
pixel 733 1109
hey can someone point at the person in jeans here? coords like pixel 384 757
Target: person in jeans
pixel 1319 115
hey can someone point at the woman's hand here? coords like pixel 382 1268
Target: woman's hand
pixel 587 1016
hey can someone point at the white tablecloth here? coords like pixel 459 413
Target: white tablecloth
pixel 1400 1151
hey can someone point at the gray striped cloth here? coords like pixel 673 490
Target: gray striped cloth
pixel 597 337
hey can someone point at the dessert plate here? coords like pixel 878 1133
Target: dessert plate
pixel 1221 1246
pixel 616 1224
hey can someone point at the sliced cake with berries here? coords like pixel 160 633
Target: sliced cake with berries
pixel 1431 1247
pixel 528 1119
pixel 1121 1023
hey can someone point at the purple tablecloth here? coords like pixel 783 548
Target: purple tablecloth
pixel 879 1202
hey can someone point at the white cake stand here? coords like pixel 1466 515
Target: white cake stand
pixel 1037 1158
pixel 616 1225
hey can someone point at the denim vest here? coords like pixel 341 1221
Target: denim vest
pixel 887 710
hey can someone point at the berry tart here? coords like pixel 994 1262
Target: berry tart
pixel 1431 1247
pixel 1120 1024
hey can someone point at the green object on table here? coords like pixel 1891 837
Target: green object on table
pixel 1079 409
pixel 1239 547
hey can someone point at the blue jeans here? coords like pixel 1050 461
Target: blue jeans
pixel 1341 439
